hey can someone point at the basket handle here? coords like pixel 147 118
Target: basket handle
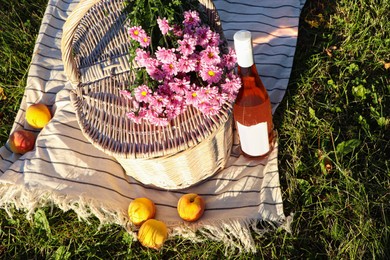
pixel 69 30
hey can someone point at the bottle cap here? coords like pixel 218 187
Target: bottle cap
pixel 243 48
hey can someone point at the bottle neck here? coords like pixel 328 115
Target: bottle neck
pixel 245 60
pixel 250 79
pixel 247 71
pixel 244 71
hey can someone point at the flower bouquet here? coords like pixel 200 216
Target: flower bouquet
pixel 188 64
pixel 153 86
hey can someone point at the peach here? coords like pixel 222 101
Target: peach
pixel 21 141
pixel 140 210
pixel 153 233
pixel 191 207
pixel 38 115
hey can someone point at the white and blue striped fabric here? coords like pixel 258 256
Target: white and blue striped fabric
pixel 64 169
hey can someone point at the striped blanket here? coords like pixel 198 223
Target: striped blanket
pixel 64 169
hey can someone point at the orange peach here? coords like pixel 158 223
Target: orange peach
pixel 191 207
pixel 21 141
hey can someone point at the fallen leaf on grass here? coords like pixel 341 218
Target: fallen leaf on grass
pixel 2 95
pixel 326 164
pixel 329 51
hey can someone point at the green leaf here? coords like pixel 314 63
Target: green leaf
pixel 41 221
pixel 332 84
pixel 62 253
pixel 382 121
pixel 312 113
pixel 374 112
pixel 360 92
pixel 347 147
pixel 353 68
pixel 304 185
pixel 127 238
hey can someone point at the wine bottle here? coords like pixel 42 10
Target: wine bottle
pixel 252 109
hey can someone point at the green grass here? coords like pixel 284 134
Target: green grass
pixel 334 128
pixel 19 25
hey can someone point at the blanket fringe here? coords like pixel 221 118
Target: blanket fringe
pixel 236 234
pixel 21 198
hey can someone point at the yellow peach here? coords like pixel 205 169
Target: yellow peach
pixel 140 210
pixel 38 115
pixel 153 233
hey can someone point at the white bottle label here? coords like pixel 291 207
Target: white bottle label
pixel 254 139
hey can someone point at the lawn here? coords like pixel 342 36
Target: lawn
pixel 334 148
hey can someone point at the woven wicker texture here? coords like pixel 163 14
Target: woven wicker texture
pixel 95 54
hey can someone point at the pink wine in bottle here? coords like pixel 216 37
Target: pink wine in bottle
pixel 252 109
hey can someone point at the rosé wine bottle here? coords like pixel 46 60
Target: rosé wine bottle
pixel 252 109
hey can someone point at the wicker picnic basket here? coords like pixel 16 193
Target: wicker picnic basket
pixel 95 54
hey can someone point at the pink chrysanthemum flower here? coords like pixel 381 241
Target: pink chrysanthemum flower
pixel 154 118
pixel 142 57
pixel 191 19
pixel 231 86
pixel 203 35
pixel 235 81
pixel 208 93
pixel 155 73
pixel 153 69
pixel 170 69
pixel 179 102
pixel 209 108
pixel 197 61
pixel 158 102
pixel 164 88
pixel 163 25
pixel 187 64
pixel 211 73
pixel 126 94
pixel 138 34
pixel 223 97
pixel 187 46
pixel 152 63
pixel 142 93
pixel 175 106
pixel 229 60
pixel 214 39
pixel 179 86
pixel 135 32
pixel 230 97
pixel 177 31
pixel 173 111
pixel 165 55
pixel 210 55
pixel 136 117
pixel 144 40
pixel 192 97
